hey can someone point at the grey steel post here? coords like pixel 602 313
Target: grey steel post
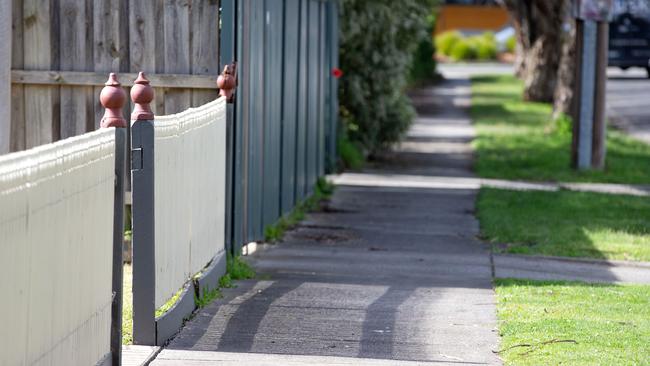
pixel 118 242
pixel 227 53
pixel 599 148
pixel 142 214
pixel 587 93
pixel 113 98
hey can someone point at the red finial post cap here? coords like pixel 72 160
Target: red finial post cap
pixel 141 96
pixel 113 99
pixel 227 82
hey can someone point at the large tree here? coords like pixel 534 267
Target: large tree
pixel 538 25
pixel 563 99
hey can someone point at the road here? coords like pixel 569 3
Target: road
pixel 628 94
pixel 628 100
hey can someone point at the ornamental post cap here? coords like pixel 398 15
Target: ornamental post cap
pixel 112 98
pixel 141 96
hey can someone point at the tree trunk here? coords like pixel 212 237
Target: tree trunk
pixel 538 24
pixel 563 101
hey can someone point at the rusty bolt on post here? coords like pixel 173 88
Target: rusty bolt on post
pixel 112 98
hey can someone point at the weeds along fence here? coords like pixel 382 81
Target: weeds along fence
pixel 57 236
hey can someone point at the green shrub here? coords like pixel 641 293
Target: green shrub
pixel 486 47
pixel 511 44
pixel 378 40
pixel 464 49
pixel 446 41
pixel 350 155
pixel 423 68
pixel 481 47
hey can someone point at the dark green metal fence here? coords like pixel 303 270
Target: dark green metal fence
pixel 282 133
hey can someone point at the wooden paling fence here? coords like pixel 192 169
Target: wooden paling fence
pixel 62 50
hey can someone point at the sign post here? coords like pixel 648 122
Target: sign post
pixel 589 127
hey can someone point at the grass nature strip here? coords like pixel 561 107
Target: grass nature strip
pixel 565 223
pixel 571 323
pixel 517 140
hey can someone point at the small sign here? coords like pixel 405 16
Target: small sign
pixel 596 10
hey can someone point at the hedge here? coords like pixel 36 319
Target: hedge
pixel 377 42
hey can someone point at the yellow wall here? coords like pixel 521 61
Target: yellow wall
pixel 452 17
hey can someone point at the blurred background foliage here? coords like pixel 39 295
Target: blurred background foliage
pixel 483 47
pixel 385 46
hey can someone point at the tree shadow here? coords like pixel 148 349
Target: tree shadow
pixel 379 324
pixel 566 223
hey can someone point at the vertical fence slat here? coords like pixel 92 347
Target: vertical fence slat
pixel 110 46
pixel 39 37
pixel 76 54
pixel 321 90
pixel 204 28
pixel 177 51
pixel 333 54
pixel 240 176
pixel 146 43
pixel 312 130
pixel 256 121
pixel 301 129
pixel 5 75
pixel 289 102
pixel 272 111
pixel 17 138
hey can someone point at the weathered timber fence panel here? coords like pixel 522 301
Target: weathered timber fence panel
pixel 56 230
pixel 179 195
pixel 62 49
pixel 284 130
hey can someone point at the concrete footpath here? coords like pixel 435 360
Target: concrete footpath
pixel 386 275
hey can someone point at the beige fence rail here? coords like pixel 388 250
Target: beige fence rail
pixel 190 166
pixel 56 240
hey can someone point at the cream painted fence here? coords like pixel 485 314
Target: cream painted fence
pixel 190 181
pixel 179 191
pixel 56 243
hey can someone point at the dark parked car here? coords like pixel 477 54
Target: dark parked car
pixel 629 34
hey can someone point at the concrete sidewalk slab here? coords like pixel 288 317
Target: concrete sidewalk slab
pixel 569 269
pixel 199 358
pixel 133 355
pixel 384 276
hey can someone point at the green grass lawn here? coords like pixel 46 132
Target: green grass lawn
pixel 564 223
pixel 568 323
pixel 517 140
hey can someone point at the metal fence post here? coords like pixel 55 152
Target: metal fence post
pixel 113 98
pixel 227 54
pixel 143 224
